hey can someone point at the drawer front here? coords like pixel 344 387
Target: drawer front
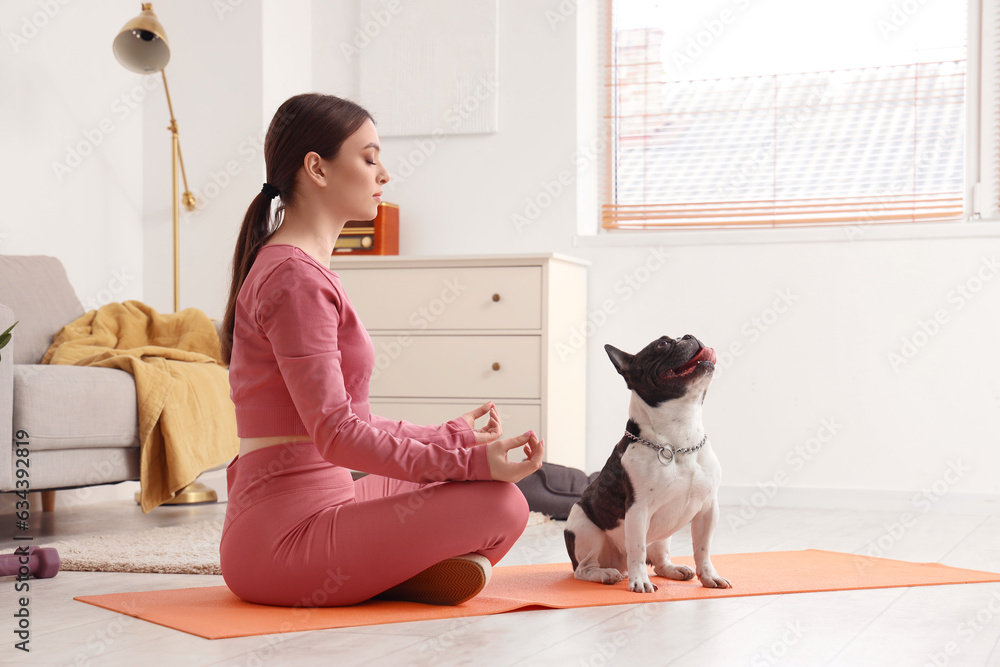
pixel 457 366
pixel 437 299
pixel 514 419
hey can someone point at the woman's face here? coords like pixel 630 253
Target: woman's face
pixel 357 175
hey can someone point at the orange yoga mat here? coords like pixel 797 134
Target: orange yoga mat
pixel 213 612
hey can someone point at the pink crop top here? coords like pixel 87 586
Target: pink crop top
pixel 301 363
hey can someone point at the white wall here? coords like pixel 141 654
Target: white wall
pixel 215 76
pixel 824 358
pixel 816 323
pixel 233 63
pixel 458 192
pixel 894 430
pixel 71 133
pixel 112 215
pixel 287 55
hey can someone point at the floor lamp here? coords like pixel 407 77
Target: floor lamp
pixel 141 46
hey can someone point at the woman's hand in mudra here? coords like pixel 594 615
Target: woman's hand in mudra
pixel 502 470
pixel 492 430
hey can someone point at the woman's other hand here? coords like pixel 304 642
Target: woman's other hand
pixel 502 470
pixel 492 430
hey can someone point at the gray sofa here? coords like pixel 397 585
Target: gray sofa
pixel 81 423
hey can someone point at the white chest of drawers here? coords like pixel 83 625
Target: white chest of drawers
pixel 451 333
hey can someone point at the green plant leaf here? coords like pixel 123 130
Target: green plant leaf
pixel 5 337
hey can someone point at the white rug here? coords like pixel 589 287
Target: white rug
pixel 188 549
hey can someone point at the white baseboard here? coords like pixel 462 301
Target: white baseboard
pixel 953 502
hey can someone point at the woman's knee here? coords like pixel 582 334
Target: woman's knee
pixel 508 501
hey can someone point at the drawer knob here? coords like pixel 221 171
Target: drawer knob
pixel 496 366
pixel 496 297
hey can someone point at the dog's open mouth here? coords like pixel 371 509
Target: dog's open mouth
pixel 704 354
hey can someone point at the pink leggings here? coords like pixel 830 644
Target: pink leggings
pixel 300 532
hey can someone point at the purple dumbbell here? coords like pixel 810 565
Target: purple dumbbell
pixel 43 562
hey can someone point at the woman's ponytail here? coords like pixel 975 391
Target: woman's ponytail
pixel 254 233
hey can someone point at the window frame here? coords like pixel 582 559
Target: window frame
pixel 981 201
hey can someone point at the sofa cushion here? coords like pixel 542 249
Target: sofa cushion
pixel 38 291
pixel 71 468
pixel 67 407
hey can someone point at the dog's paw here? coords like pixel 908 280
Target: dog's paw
pixel 714 581
pixel 610 575
pixel 641 586
pixel 677 572
pixel 601 575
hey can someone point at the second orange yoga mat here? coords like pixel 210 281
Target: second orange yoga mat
pixel 213 612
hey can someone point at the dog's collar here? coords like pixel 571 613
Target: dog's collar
pixel 667 449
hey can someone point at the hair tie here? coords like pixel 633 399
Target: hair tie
pixel 270 191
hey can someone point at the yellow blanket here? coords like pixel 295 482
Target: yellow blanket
pixel 187 422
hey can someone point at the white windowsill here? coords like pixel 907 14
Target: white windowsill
pixel 846 234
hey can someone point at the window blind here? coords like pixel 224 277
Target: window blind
pixel 869 145
pixel 989 116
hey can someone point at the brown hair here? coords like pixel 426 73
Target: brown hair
pixel 311 122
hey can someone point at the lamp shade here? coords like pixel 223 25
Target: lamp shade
pixel 141 45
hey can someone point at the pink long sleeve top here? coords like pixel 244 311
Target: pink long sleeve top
pixel 301 364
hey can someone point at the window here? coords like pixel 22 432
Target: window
pixel 734 114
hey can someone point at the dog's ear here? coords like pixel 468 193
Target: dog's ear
pixel 621 360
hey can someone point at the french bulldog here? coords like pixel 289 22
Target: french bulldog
pixel 661 475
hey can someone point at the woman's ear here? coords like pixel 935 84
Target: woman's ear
pixel 312 165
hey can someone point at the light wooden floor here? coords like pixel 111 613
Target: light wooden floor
pixel 933 625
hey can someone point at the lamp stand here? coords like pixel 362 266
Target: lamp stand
pixel 195 492
pixel 189 201
pixel 175 146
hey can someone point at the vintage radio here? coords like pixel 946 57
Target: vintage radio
pixel 374 237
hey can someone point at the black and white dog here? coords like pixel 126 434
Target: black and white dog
pixel 661 475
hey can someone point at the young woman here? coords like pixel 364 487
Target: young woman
pixel 439 506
